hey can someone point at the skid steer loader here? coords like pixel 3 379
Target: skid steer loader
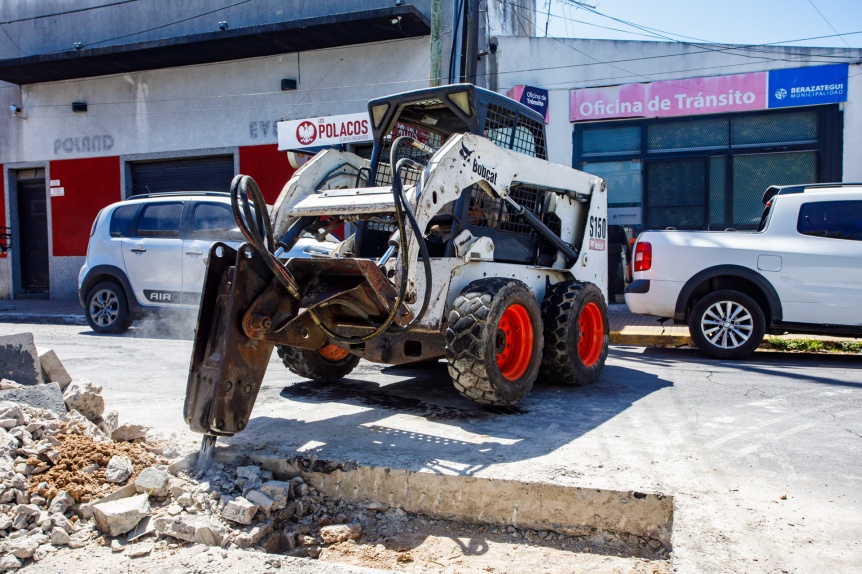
pixel 466 244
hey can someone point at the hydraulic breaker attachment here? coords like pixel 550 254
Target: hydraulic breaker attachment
pixel 245 311
pixel 227 366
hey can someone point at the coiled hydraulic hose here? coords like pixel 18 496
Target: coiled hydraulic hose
pixel 257 229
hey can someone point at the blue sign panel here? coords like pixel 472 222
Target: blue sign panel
pixel 807 86
pixel 536 99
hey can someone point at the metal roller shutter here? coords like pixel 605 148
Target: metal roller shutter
pixel 195 174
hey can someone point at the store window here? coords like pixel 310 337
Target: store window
pixel 707 172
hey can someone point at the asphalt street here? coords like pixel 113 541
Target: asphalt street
pixel 762 457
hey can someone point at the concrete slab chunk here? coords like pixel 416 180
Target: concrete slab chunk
pixel 239 510
pixel 48 397
pixel 153 481
pixel 120 516
pixel 119 469
pixel 19 359
pixel 53 370
pixel 279 491
pixel 86 398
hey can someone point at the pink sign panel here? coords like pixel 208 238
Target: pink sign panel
pixel 695 96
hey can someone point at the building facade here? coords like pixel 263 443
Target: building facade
pixel 108 100
pixel 689 136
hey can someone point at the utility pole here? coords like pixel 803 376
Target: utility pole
pixel 472 43
pixel 436 42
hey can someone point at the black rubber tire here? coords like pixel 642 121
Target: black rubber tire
pixel 115 317
pixel 757 324
pixel 471 336
pixel 312 365
pixel 561 311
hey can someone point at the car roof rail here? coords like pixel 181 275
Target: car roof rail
pixel 774 190
pixel 178 194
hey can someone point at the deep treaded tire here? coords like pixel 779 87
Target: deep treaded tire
pixel 494 341
pixel 314 365
pixel 727 324
pixel 575 317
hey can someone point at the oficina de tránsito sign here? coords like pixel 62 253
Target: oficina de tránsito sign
pixel 712 95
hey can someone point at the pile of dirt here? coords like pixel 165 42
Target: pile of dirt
pixel 80 467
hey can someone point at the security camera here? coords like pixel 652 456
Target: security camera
pixel 14 109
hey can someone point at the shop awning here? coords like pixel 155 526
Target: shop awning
pixel 332 31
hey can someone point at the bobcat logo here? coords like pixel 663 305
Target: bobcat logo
pixel 465 153
pixel 306 133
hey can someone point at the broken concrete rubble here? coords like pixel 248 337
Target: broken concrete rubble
pixel 119 469
pixel 86 398
pixel 340 533
pixel 153 481
pixel 47 396
pixel 129 432
pixel 19 359
pixel 53 370
pixel 120 516
pixel 239 510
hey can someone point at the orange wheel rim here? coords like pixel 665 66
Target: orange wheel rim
pixel 333 353
pixel 514 342
pixel 592 336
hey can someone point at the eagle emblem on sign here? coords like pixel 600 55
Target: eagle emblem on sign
pixel 306 133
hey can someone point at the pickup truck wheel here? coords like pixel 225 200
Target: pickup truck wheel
pixel 494 341
pixel 329 363
pixel 577 331
pixel 727 324
pixel 107 309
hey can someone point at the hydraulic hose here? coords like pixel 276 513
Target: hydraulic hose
pixel 256 227
pixel 398 187
pixel 257 230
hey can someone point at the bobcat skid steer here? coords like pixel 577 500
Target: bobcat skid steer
pixel 467 244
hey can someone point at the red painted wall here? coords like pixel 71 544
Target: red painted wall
pixel 267 166
pixel 2 202
pixel 90 184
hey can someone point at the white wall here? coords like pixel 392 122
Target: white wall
pixel 853 126
pixel 217 105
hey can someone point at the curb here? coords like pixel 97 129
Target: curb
pixel 39 319
pixel 644 340
pixel 828 347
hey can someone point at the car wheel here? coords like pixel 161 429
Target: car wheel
pixel 727 324
pixel 494 341
pixel 107 310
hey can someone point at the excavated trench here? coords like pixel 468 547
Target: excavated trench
pixel 420 522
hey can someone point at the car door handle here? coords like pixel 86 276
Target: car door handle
pixel 194 253
pixel 139 249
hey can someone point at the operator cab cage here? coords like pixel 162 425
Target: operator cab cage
pixel 433 115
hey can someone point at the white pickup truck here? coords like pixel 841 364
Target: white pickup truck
pixel 799 272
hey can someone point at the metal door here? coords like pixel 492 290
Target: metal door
pixel 33 236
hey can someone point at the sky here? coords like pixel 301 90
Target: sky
pixel 723 21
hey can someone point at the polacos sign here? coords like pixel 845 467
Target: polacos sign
pixel 534 98
pixel 324 131
pixel 712 95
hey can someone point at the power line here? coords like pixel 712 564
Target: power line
pixel 813 5
pixel 73 11
pixel 649 32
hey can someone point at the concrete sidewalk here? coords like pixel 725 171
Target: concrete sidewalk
pixel 42 311
pixel 626 328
